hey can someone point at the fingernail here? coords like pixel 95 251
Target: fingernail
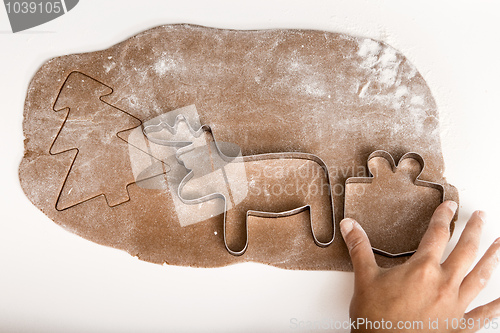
pixel 481 214
pixel 452 205
pixel 346 226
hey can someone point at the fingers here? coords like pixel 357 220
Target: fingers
pixel 465 252
pixel 476 280
pixel 438 233
pixel 482 315
pixel 360 250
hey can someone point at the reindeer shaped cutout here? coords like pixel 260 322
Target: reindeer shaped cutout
pixel 266 185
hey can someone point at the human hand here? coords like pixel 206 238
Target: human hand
pixel 422 292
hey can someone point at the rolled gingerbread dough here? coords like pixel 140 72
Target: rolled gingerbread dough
pixel 331 95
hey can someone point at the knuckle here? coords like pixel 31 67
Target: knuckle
pixel 492 257
pixel 446 211
pixel 441 228
pixel 426 270
pixel 355 245
pixel 471 249
pixel 485 312
pixel 445 293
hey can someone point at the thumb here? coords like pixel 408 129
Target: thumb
pixel 360 249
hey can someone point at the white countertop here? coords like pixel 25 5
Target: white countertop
pixel 54 281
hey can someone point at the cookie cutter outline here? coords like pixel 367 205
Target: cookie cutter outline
pixel 186 146
pixel 78 150
pixel 418 182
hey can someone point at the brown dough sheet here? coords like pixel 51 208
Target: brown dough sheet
pixel 332 95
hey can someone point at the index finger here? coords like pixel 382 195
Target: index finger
pixel 438 233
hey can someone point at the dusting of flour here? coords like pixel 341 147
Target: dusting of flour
pixel 168 62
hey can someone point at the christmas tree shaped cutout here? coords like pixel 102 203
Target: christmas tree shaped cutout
pixel 101 163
